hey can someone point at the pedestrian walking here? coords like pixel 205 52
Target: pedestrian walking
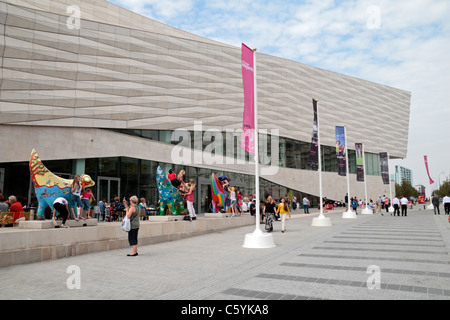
pixel 387 203
pixel 446 202
pixel 355 204
pixel 132 213
pixel 396 205
pixel 404 204
pixel 435 201
pixel 306 205
pixel 270 213
pixel 379 205
pixel 283 210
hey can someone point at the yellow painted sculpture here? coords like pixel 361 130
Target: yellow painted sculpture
pixel 49 186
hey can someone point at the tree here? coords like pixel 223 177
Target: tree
pixel 444 190
pixel 406 189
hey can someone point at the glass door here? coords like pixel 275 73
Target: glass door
pixel 108 188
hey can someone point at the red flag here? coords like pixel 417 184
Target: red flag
pixel 426 166
pixel 248 74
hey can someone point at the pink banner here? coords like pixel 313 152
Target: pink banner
pixel 247 142
pixel 426 166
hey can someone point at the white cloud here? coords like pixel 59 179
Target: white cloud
pixel 410 50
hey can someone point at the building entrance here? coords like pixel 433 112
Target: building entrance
pixel 108 187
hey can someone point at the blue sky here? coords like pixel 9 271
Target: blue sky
pixel 402 43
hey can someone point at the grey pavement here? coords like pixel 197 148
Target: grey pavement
pixel 372 257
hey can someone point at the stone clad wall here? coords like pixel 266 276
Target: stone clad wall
pixel 19 246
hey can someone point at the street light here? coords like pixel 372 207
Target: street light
pixel 439 179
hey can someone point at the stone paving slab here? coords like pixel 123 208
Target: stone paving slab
pixel 308 263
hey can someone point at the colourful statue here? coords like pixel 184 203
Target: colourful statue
pixel 219 191
pixel 168 195
pixel 49 186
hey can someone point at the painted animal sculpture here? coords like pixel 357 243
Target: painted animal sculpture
pixel 168 195
pixel 218 194
pixel 49 186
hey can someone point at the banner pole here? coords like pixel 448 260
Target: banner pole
pixel 257 239
pixel 366 210
pixel 320 221
pixel 349 214
pixel 391 209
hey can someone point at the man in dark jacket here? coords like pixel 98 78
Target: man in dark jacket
pixel 435 202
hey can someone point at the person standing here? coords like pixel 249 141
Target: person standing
pixel 190 200
pixel 132 213
pixel 233 200
pixel 86 197
pixel 355 204
pixel 75 196
pixel 283 210
pixel 379 205
pixel 396 204
pixel 62 206
pixel 386 203
pixel 404 203
pixel 446 202
pixel 306 205
pixel 270 213
pixel 435 201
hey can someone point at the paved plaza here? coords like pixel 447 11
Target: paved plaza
pixel 371 257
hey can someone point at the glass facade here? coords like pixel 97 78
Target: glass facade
pixel 293 154
pixel 124 177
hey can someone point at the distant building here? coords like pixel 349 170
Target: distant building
pixel 420 188
pixel 403 174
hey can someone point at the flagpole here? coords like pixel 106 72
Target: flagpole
pixel 391 209
pixel 257 239
pixel 320 221
pixel 256 136
pixel 366 210
pixel 349 214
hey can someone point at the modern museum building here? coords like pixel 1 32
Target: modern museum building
pixel 97 89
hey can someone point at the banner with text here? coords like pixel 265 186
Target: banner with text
pixel 313 160
pixel 359 162
pixel 384 163
pixel 340 151
pixel 248 141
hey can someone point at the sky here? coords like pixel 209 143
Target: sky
pixel 403 43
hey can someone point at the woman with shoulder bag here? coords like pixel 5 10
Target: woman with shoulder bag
pixel 132 213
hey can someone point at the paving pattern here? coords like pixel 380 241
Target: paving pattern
pixel 371 257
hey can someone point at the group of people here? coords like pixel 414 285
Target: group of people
pixel 403 203
pixel 186 189
pixel 79 198
pixel 272 210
